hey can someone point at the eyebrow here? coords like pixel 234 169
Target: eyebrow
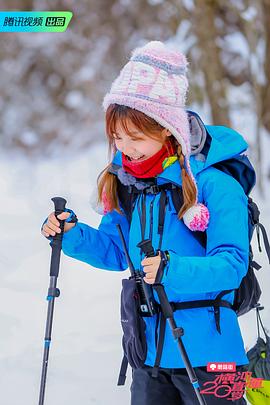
pixel 132 132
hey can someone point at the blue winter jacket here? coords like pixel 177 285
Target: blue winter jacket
pixel 193 272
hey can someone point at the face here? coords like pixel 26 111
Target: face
pixel 138 146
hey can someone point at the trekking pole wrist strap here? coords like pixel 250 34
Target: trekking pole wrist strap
pixel 72 217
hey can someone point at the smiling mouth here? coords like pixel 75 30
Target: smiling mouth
pixel 136 159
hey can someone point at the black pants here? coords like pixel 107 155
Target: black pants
pixel 173 387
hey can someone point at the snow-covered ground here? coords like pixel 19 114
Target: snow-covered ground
pixel 86 351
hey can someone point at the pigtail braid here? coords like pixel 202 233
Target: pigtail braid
pixel 188 186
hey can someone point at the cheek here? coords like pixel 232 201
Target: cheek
pixel 147 150
pixel 153 148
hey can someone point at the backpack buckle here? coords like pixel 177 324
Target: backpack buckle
pixel 152 189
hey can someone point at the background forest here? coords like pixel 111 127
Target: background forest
pixel 52 85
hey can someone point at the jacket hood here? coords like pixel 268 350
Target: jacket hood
pixel 210 144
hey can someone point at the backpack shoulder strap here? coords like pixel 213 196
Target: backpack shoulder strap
pixel 128 195
pixel 127 198
pixel 254 218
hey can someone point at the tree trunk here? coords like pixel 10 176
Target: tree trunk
pixel 266 87
pixel 17 5
pixel 210 60
pixel 255 64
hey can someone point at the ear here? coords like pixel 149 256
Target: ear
pixel 167 132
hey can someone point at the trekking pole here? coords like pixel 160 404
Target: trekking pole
pixel 146 298
pixel 56 244
pixel 147 248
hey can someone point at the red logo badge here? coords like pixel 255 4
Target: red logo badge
pixel 216 367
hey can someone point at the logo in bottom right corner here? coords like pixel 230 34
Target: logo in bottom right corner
pixel 229 383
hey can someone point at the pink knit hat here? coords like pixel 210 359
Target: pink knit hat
pixel 154 82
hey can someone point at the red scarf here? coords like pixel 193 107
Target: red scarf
pixel 152 166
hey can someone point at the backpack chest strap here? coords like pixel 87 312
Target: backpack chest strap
pixel 151 189
pixel 215 303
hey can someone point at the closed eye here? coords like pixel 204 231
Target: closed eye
pixel 132 139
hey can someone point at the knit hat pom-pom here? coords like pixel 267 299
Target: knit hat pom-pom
pixel 196 218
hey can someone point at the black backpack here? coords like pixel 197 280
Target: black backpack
pixel 247 296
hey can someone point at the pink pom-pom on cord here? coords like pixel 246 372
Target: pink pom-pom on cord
pixel 197 217
pixel 105 203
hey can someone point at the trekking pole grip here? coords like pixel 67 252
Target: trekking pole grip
pixel 56 244
pixel 59 207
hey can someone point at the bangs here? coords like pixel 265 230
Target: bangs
pixel 122 115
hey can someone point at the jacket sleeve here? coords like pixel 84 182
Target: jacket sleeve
pixel 227 252
pixel 102 247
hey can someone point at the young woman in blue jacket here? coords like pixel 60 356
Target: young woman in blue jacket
pixel 152 136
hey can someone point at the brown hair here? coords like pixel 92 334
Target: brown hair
pixel 107 182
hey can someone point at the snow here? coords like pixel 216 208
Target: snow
pixel 238 43
pixel 250 13
pixel 85 354
pixel 189 4
pixel 184 37
pixel 74 99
